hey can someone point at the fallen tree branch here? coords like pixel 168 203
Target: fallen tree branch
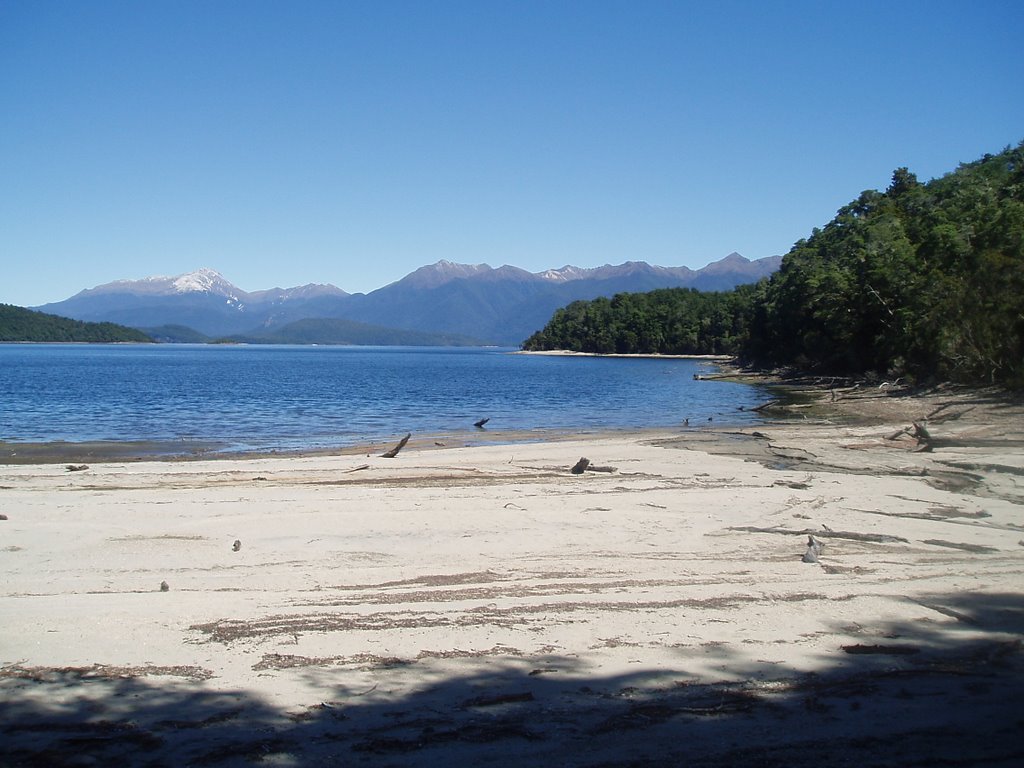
pixel 877 538
pixel 394 451
pixel 947 416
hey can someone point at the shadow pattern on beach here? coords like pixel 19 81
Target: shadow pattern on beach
pixel 949 692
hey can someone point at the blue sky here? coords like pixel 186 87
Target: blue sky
pixel 283 143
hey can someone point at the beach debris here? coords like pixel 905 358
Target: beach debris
pixel 480 424
pixel 497 699
pixel 937 417
pixel 584 465
pixel 580 466
pixel 394 451
pixel 887 650
pixel 919 431
pixel 979 549
pixel 3 517
pixel 77 467
pixel 236 546
pixel 164 586
pixel 814 549
pixel 875 538
pixel 360 468
pixel 796 484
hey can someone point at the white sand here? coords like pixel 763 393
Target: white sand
pixel 484 605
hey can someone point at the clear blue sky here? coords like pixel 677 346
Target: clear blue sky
pixel 283 143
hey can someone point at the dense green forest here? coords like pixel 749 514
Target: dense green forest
pixel 924 280
pixel 19 324
pixel 669 321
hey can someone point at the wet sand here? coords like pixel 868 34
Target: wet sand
pixel 484 605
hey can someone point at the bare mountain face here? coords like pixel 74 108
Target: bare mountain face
pixel 495 306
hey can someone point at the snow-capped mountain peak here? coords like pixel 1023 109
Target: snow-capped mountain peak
pixel 200 281
pixel 204 280
pixel 562 275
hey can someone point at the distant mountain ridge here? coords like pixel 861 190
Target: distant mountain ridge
pixel 501 305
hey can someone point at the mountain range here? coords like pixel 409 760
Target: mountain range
pixel 455 303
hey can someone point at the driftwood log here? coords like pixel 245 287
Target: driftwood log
pixel 584 465
pixel 877 538
pixel 919 432
pixel 394 451
pixel 480 424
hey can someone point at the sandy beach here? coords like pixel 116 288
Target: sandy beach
pixel 484 605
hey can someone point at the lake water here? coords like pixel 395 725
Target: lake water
pixel 259 398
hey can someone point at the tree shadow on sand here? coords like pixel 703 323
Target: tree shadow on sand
pixel 948 692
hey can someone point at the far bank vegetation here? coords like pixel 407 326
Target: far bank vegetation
pixel 20 324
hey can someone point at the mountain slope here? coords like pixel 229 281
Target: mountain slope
pixel 506 305
pixel 349 332
pixel 497 306
pixel 203 300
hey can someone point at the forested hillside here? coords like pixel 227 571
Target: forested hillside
pixel 670 321
pixel 19 324
pixel 922 280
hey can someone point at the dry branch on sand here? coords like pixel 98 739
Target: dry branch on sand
pixel 394 451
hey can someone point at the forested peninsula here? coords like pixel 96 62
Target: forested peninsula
pixel 923 280
pixel 20 324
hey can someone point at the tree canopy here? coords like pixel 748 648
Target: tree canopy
pixel 20 324
pixel 670 321
pixel 923 280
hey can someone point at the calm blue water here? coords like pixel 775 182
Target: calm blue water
pixel 286 398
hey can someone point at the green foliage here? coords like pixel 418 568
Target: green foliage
pixel 19 324
pixel 671 321
pixel 922 280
